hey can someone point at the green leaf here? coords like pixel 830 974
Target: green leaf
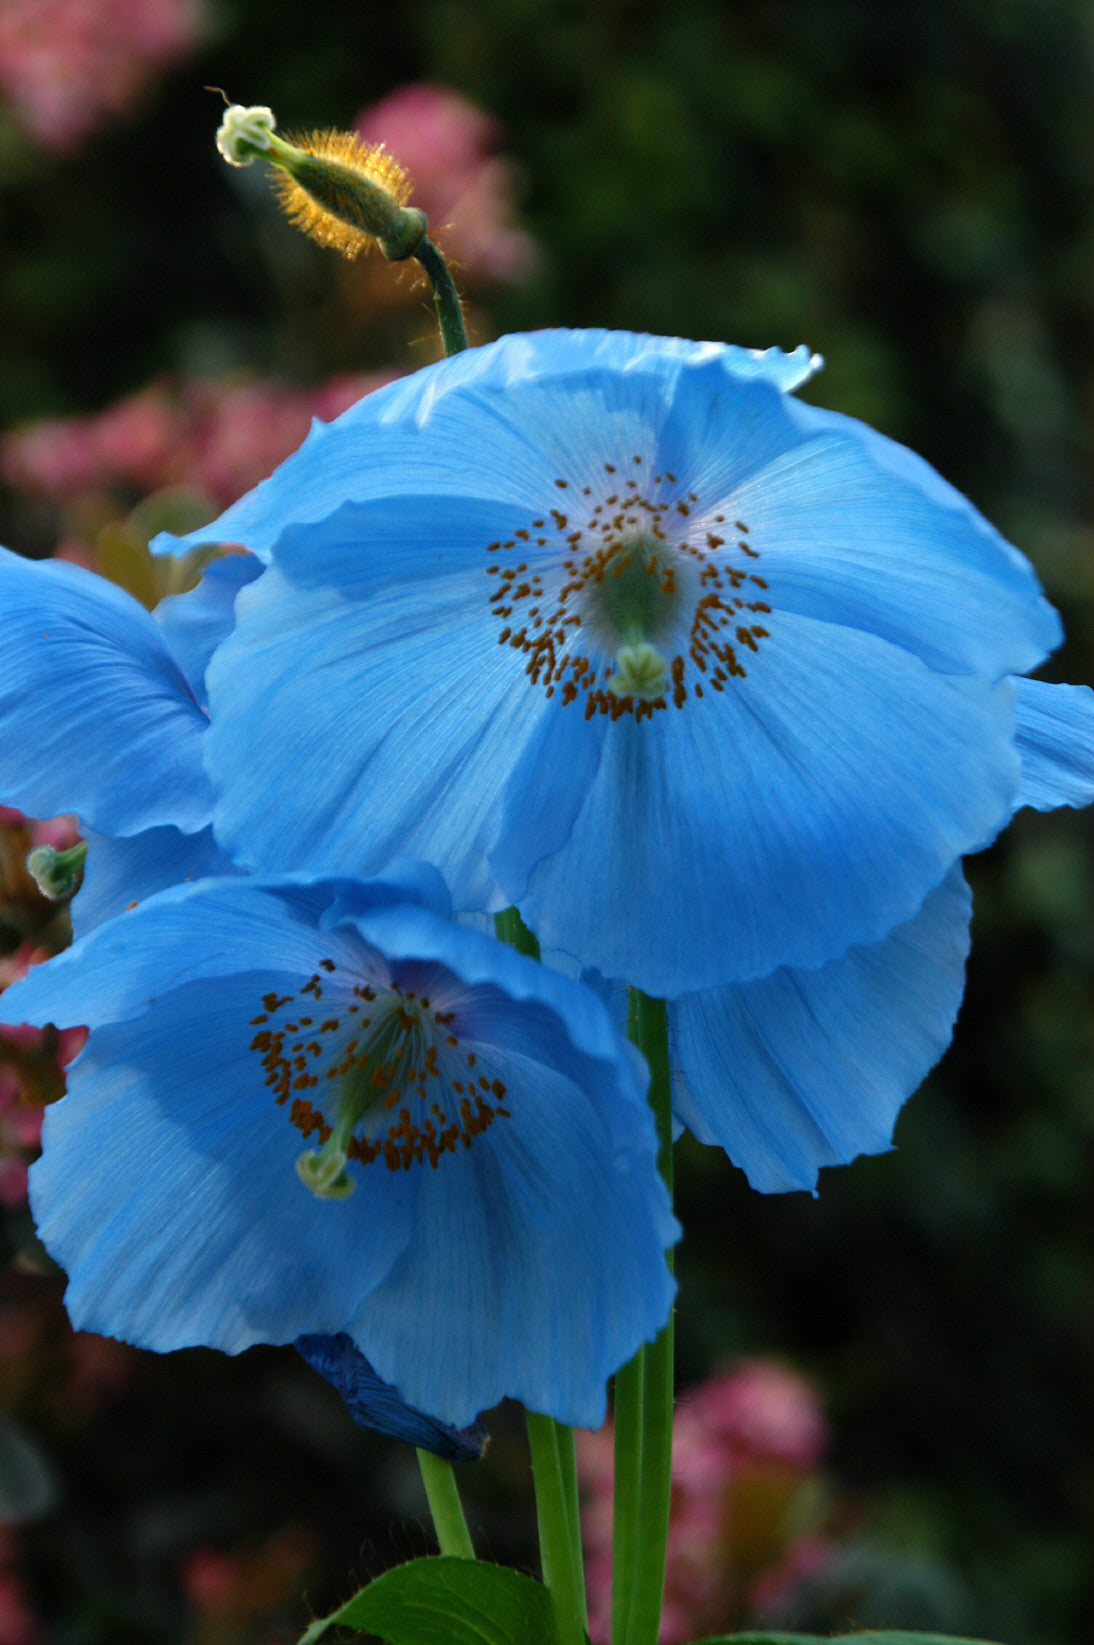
pixel 871 1638
pixel 448 1601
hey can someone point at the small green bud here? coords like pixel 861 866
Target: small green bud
pixel 57 874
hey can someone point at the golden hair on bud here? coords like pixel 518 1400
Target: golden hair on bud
pixel 332 212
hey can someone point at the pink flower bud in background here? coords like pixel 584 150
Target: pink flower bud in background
pixel 745 1444
pixel 764 1412
pixel 449 148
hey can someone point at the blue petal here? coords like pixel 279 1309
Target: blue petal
pixel 391 727
pixel 95 715
pixel 809 807
pixel 119 873
pixel 193 624
pixel 211 929
pixel 535 1267
pixel 167 1186
pixel 809 1068
pixel 1055 739
pixel 373 1403
pixel 849 527
pixel 559 1022
pixel 375 448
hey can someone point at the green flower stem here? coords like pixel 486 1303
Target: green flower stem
pixel 559 1541
pixel 446 299
pixel 552 1444
pixel 626 1484
pixel 567 1465
pixel 643 1480
pixel 453 1537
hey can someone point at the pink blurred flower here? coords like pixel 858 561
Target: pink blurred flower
pixel 68 65
pixel 450 147
pixel 32 1064
pixel 218 437
pixel 762 1411
pixel 232 1590
pixel 744 1443
pixel 17 1624
pixel 52 458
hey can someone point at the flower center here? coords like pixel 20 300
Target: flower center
pixel 641 594
pixel 382 1066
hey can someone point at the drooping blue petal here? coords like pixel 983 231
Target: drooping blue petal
pixel 372 449
pixel 167 1186
pixel 571 1168
pixel 380 734
pixel 119 873
pixel 810 809
pixel 1055 740
pixel 96 717
pixel 808 1068
pixel 193 624
pixel 489 1297
pixel 373 1403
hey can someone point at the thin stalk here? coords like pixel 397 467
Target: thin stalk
pixel 559 1542
pixel 446 299
pixel 651 1450
pixel 453 1537
pixel 567 1464
pixel 626 1484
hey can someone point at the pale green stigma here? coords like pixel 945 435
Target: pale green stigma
pixel 640 671
pixel 323 1170
pixel 245 134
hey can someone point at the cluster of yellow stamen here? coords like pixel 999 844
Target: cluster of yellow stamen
pixel 376 1060
pixel 676 559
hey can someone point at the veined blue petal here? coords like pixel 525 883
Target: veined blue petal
pixel 96 716
pixel 418 428
pixel 167 1187
pixel 194 623
pixel 808 1068
pixel 1055 739
pixel 119 873
pixel 373 1403
pixel 846 526
pixel 489 1298
pixel 383 733
pixel 810 810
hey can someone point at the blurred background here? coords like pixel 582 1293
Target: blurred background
pixel 889 1416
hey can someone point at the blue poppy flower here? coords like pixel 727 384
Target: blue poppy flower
pixel 312 1107
pixel 102 713
pixel 705 680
